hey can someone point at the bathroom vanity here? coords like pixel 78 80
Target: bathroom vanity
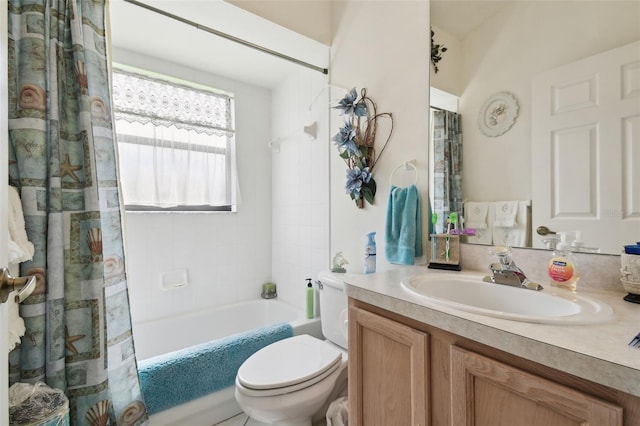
pixel 416 363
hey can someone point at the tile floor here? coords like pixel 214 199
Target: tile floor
pixel 244 420
pixel 241 420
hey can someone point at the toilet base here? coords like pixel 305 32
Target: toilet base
pixel 296 422
pixel 304 406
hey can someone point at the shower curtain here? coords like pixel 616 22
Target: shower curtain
pixel 62 159
pixel 447 159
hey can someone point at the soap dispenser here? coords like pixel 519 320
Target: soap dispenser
pixel 310 294
pixel 562 268
pixel 577 244
pixel 370 253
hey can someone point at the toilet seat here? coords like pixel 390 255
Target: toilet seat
pixel 287 366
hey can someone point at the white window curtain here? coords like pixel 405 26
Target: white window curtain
pixel 176 145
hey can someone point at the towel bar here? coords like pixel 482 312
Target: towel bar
pixel 8 283
pixel 408 165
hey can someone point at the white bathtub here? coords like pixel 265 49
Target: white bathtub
pixel 154 338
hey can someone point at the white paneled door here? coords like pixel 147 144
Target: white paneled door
pixel 586 149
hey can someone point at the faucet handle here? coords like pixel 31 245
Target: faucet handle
pixel 502 253
pixel 495 268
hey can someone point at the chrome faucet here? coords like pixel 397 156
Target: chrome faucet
pixel 507 273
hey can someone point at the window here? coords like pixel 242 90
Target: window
pixel 175 143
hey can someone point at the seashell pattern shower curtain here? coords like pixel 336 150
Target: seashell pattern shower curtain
pixel 447 158
pixel 62 158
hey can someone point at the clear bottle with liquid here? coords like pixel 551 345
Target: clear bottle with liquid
pixel 562 268
pixel 370 253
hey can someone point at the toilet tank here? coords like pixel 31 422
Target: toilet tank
pixel 333 307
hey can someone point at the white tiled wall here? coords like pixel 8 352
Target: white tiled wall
pixel 281 230
pixel 227 257
pixel 300 184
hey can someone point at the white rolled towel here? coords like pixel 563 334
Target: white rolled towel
pixel 338 412
pixel 20 248
pixel 16 323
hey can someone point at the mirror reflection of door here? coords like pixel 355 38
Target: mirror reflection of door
pixel 498 46
pixel 586 148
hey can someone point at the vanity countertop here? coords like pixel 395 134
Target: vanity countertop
pixel 596 352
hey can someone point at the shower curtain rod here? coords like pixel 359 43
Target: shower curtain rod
pixel 228 36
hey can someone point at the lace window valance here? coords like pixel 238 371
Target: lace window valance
pixel 176 145
pixel 142 99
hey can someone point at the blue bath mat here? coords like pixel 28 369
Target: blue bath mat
pixel 178 377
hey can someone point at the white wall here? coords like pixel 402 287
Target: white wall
pixel 449 77
pixel 227 255
pixel 383 46
pixel 503 55
pixel 300 184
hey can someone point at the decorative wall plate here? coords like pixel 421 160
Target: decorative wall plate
pixel 498 114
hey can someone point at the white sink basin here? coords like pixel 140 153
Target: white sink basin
pixel 471 294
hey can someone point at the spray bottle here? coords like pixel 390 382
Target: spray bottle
pixel 370 253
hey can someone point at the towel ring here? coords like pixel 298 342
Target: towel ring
pixel 408 165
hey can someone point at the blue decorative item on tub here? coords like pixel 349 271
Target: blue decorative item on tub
pixel 178 377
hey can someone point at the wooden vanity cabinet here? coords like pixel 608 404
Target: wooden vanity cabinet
pixel 488 392
pixel 388 371
pixel 403 372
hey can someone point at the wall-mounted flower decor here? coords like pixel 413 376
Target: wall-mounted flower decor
pixel 356 144
pixel 436 52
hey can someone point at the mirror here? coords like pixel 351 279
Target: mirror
pixel 502 46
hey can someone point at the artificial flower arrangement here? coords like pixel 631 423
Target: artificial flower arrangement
pixel 436 52
pixel 356 144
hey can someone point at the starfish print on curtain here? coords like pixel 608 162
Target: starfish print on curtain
pixel 61 142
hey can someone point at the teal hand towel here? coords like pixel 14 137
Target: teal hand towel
pixel 403 231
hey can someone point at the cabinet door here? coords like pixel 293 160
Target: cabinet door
pixel 388 376
pixel 487 392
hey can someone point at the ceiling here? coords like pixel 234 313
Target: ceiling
pixel 142 31
pixel 459 18
pixel 311 18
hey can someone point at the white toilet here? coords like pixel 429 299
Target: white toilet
pixel 289 381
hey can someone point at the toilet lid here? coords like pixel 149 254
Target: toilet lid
pixel 289 362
